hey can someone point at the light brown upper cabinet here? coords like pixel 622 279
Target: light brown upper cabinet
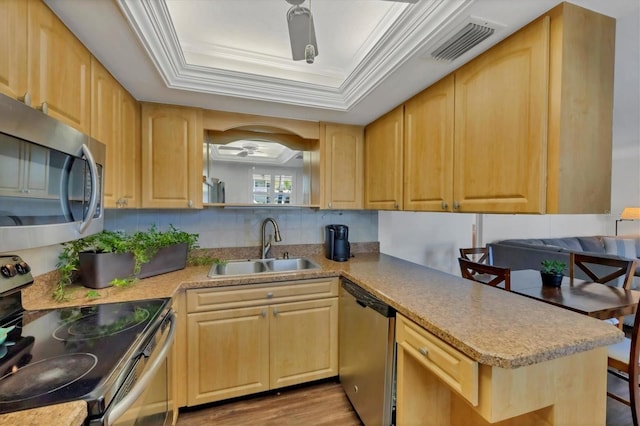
pixel 523 128
pixel 13 48
pixel 428 148
pixel 579 146
pixel 59 68
pixel 533 119
pixel 500 132
pixel 341 173
pixel 115 121
pixel 172 138
pixel 383 148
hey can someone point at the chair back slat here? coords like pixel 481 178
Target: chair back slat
pixel 475 254
pixel 621 268
pixel 485 274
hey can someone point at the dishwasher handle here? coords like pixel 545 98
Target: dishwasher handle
pixel 367 300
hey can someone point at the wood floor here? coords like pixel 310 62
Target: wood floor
pixel 317 404
pixel 324 404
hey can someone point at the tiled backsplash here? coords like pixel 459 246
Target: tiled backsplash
pixel 240 227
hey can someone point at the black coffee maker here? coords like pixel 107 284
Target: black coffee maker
pixel 336 243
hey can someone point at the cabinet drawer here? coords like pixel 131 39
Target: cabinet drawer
pixel 451 366
pixel 208 299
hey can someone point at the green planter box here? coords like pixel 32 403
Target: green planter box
pixel 97 270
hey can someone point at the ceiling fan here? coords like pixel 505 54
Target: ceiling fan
pixel 302 32
pixel 244 151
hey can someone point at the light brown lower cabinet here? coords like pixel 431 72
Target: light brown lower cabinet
pixel 438 385
pixel 252 338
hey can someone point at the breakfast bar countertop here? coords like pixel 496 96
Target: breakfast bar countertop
pixel 490 325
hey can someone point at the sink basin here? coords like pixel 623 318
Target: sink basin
pixel 299 264
pixel 238 267
pixel 261 266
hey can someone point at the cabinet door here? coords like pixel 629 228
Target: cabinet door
pixel 227 354
pixel 172 139
pixel 383 162
pixel 303 342
pixel 428 148
pixel 13 48
pixel 58 69
pixel 129 170
pixel 342 163
pixel 105 126
pixel 501 126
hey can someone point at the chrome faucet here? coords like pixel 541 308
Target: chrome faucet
pixel 267 246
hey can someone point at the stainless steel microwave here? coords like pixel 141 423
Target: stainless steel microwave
pixel 51 178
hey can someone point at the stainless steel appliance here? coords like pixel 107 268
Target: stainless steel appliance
pixel 336 243
pixel 50 179
pixel 367 354
pixel 113 356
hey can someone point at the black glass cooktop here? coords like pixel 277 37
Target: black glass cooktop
pixel 75 353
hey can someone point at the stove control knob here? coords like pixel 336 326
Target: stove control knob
pixel 8 270
pixel 23 268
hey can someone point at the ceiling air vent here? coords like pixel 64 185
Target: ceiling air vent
pixel 462 41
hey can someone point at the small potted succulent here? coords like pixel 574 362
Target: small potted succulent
pixel 552 272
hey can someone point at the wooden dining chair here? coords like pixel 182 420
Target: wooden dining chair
pixel 624 363
pixel 475 254
pixel 615 269
pixel 485 274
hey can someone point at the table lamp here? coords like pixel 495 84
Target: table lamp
pixel 629 213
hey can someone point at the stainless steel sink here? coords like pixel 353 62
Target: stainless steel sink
pixel 261 266
pixel 298 264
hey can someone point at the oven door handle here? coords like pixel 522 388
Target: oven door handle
pixel 125 403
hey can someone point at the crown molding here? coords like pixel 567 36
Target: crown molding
pixel 415 28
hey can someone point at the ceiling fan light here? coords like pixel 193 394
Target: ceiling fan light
pixel 309 53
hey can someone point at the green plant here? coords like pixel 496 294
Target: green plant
pixel 555 267
pixel 142 244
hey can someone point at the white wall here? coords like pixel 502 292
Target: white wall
pixel 418 236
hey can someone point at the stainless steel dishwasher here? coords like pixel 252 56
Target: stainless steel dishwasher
pixel 367 354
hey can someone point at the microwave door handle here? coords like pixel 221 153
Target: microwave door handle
pixel 65 204
pixel 125 403
pixel 93 199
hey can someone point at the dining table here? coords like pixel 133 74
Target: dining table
pixel 590 298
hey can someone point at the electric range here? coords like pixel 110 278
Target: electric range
pixel 84 353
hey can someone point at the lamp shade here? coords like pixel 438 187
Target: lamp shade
pixel 630 213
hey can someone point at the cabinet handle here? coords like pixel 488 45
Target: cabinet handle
pixel 44 108
pixel 264 313
pixel 269 295
pixel 329 205
pixel 456 205
pixel 423 351
pixel 395 205
pixel 444 205
pixel 275 311
pixel 190 204
pixel 26 99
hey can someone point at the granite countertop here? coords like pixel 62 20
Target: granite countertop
pixel 490 325
pixel 70 413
